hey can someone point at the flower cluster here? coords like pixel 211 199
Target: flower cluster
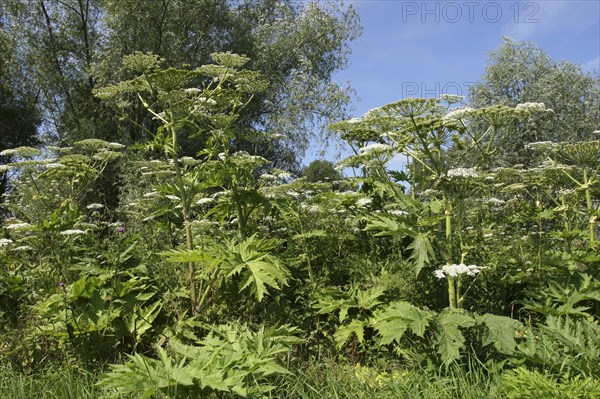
pixel 73 232
pixel 455 270
pixel 363 202
pixel 462 172
pixel 458 114
pixel 531 107
pixel 375 147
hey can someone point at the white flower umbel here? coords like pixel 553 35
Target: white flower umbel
pixel 19 226
pixel 23 248
pixel 531 107
pixel 204 201
pixel 458 114
pixel 5 241
pixel 173 197
pixel 361 202
pixel 375 147
pixel 95 206
pixel 73 232
pixel 463 172
pixel 457 270
pixel 397 212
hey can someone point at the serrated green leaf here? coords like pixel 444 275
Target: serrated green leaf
pixel 345 332
pixel 421 250
pixel 500 331
pixel 449 338
pixel 392 322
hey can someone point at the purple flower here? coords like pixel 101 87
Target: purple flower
pixel 121 230
pixel 61 285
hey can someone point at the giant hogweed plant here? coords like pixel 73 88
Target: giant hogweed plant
pixel 203 104
pixel 83 287
pixel 421 131
pixel 366 317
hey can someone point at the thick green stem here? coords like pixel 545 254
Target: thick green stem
pixel 588 200
pixel 213 278
pixel 459 299
pixel 452 293
pixel 189 238
pixel 448 217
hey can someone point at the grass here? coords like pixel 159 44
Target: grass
pixel 325 380
pixel 336 381
pixel 50 383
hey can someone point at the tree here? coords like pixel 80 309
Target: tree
pixel 75 45
pixel 520 72
pixel 320 171
pixel 19 115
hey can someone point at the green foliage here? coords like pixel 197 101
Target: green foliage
pixel 522 383
pixel 231 358
pixel 563 345
pixel 520 72
pixel 320 171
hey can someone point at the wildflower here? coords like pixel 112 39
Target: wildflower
pixel 151 194
pixel 530 106
pixel 94 206
pixel 493 201
pixel 363 202
pixel 22 248
pixel 462 172
pixel 24 152
pixel 397 212
pixel 284 175
pixel 203 201
pixel 18 226
pixel 268 177
pixel 458 114
pixel 121 230
pixel 374 148
pixel 173 197
pixel 72 232
pixel 5 241
pixel 459 270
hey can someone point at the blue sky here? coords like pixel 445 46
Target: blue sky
pixel 427 48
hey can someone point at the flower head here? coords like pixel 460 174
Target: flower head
pixel 459 270
pixel 73 232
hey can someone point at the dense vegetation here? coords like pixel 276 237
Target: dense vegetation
pixel 185 263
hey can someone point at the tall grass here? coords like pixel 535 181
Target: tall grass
pixel 50 383
pixel 337 381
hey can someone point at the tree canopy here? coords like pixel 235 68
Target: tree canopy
pixel 520 72
pixel 73 46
